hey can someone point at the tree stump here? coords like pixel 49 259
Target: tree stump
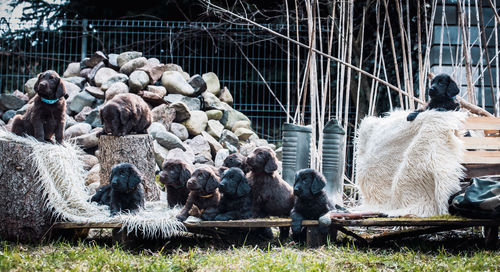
pixel 24 216
pixel 135 149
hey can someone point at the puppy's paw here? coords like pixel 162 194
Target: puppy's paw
pixel 181 217
pixel 411 116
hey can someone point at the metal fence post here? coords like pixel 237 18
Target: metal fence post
pixel 85 23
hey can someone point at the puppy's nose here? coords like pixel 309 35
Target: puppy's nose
pixel 296 191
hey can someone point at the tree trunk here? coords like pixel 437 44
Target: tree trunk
pixel 134 149
pixel 23 216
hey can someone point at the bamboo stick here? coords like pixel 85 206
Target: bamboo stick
pixel 485 48
pixel 404 42
pixel 421 85
pixel 466 50
pixel 287 63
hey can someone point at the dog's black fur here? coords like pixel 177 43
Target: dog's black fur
pixel 236 201
pixel 311 200
pixel 45 116
pixel 124 193
pixel 174 175
pixel 234 160
pixel 204 193
pixel 442 93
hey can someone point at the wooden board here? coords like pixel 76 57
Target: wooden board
pixel 481 142
pixel 478 170
pixel 481 157
pixel 489 123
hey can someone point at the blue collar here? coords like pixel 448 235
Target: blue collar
pixel 50 102
pixel 454 97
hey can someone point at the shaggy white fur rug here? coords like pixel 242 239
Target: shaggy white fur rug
pixel 409 167
pixel 61 177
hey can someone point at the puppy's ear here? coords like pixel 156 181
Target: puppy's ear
pixel 212 184
pixel 185 174
pixel 61 90
pixel 134 178
pixel 125 115
pixel 271 165
pixel 318 183
pixel 243 187
pixel 452 89
pixel 35 88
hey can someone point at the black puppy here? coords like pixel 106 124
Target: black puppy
pixel 442 93
pixel 124 193
pixel 311 200
pixel 236 201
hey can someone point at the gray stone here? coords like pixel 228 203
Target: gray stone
pixel 29 87
pixel 72 70
pixel 113 61
pixel 240 124
pixel 225 96
pixel 82 63
pixel 103 75
pixel 279 153
pixel 155 128
pixel 89 140
pixel 196 123
pixel 115 89
pixel 181 111
pixel 119 77
pixel 213 84
pixel 174 67
pixel 85 73
pixel 76 130
pixel 93 118
pixel 164 115
pixel 247 149
pixel 21 95
pixel 230 117
pixel 212 142
pixel 23 109
pixel 6 116
pixel 153 61
pixel 192 103
pixel 158 90
pixel 229 140
pixel 93 175
pixel 199 85
pixel 72 90
pixel 211 102
pixel 180 131
pixel 82 115
pixel 160 153
pixel 2 123
pixel 175 83
pixel 127 56
pixel 95 59
pixel 132 65
pixel 169 140
pixel 214 114
pixel 95 92
pixel 92 74
pixel 177 153
pixel 243 133
pixel 77 80
pixel 201 159
pixel 69 122
pixel 81 100
pixel 154 71
pixel 215 128
pixel 220 157
pixel 137 81
pixel 10 102
pixel 151 98
pixel 200 146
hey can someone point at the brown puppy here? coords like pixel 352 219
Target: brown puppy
pixel 204 194
pixel 272 196
pixel 174 175
pixel 234 160
pixel 45 115
pixel 125 114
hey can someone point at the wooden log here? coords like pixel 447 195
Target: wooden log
pixel 135 149
pixel 24 217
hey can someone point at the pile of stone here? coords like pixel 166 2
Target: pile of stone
pixel 193 117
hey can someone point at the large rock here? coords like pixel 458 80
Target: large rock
pixel 160 153
pixel 29 87
pixel 241 124
pixel 220 157
pixel 158 90
pixel 191 102
pixel 93 175
pixel 181 111
pixel 174 67
pixel 153 61
pixel 247 149
pixel 119 77
pixel 103 75
pixel 89 161
pixel 10 102
pixel 93 72
pixel 229 141
pixel 243 133
pixel 175 83
pixel 200 146
pixel 132 65
pixel 169 140
pixel 225 96
pixel 95 92
pixel 215 128
pixel 211 102
pixel 196 123
pixel 230 117
pixel 127 56
pixel 76 130
pixel 154 71
pixel 89 140
pixel 21 95
pixel 116 89
pixel 180 131
pixel 72 70
pixel 214 145
pixel 82 115
pixel 163 114
pixel 113 61
pixel 137 81
pixel 81 100
pixel 177 153
pixel 199 85
pixel 72 90
pixel 151 98
pixel 94 60
pixel 85 73
pixel 213 84
pixel 94 119
pixel 22 110
pixel 8 115
pixel 76 80
pixel 214 114
pixel 70 121
pixel 155 128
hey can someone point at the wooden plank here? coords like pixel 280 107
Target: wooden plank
pixel 396 235
pixel 479 170
pixel 490 123
pixel 481 157
pixel 250 223
pixel 481 142
pixel 462 222
pixel 90 225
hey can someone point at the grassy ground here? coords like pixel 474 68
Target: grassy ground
pixel 448 254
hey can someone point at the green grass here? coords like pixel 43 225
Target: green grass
pixel 92 256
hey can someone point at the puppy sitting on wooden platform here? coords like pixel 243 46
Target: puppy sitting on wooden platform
pixel 125 114
pixel 45 115
pixel 442 93
pixel 236 202
pixel 124 193
pixel 174 175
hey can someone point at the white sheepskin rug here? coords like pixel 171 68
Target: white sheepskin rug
pixel 409 167
pixel 61 177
